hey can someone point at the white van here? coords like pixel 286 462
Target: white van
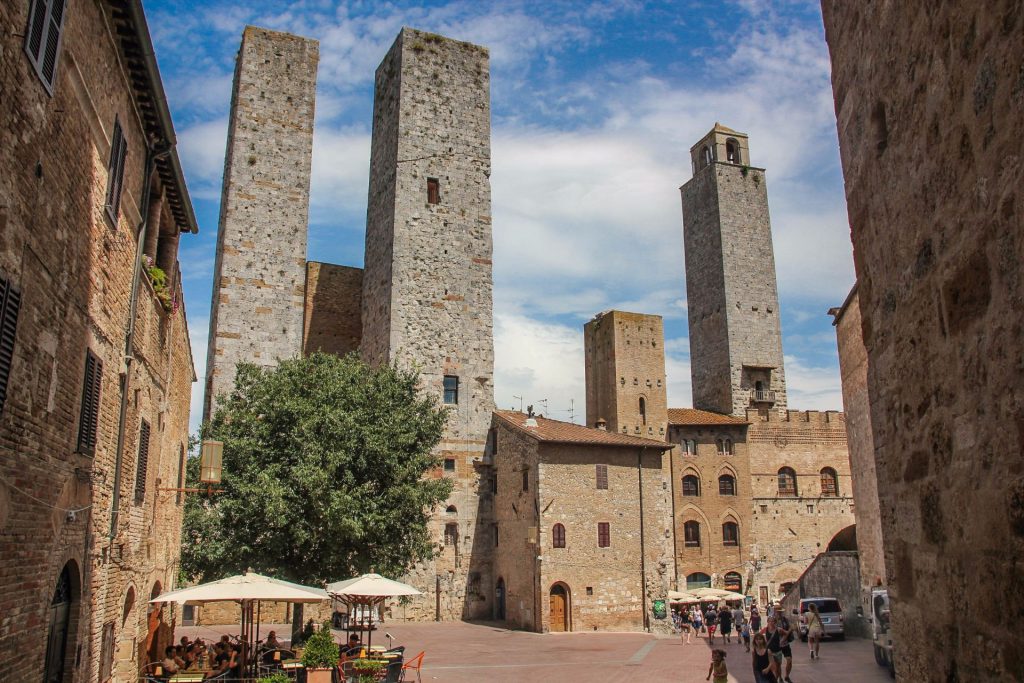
pixel 831 613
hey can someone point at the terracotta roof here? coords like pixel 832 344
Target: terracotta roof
pixel 692 416
pixel 556 431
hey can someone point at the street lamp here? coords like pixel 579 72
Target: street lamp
pixel 210 469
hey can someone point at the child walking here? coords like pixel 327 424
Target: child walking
pixel 718 669
pixel 745 633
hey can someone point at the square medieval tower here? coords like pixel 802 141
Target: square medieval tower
pixel 735 334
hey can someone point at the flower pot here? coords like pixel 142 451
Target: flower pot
pixel 318 676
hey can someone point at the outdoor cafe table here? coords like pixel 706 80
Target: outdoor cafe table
pixel 187 677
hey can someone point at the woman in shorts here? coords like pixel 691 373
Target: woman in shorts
pixel 684 625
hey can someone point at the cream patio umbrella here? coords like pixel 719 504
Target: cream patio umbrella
pixel 248 590
pixel 683 597
pixel 369 590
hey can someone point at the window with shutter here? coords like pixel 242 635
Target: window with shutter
pixel 558 536
pixel 10 304
pixel 691 534
pixel 107 651
pixel 115 171
pixel 604 535
pixel 602 476
pixel 43 38
pixel 142 463
pixel 88 418
pixel 181 474
pixel 433 191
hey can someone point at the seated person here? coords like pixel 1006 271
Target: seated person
pixel 354 645
pixel 191 658
pixel 221 660
pixel 170 663
pixel 272 642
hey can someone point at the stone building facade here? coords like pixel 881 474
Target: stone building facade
pixel 929 133
pixel 260 272
pixel 583 526
pixel 95 365
pixel 853 365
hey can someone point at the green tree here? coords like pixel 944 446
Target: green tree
pixel 324 474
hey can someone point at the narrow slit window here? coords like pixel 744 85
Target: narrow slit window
pixel 433 191
pixel 142 463
pixel 88 418
pixel 451 389
pixel 115 171
pixel 602 476
pixel 10 303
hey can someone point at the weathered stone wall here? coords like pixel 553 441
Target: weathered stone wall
pixel 259 277
pixel 332 310
pixel 853 364
pixel 711 509
pixel 625 362
pixel 516 515
pixel 832 575
pixel 427 286
pixel 790 531
pixel 731 289
pixel 73 268
pixel 929 131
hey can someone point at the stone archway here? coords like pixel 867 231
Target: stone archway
pixel 62 625
pixel 845 539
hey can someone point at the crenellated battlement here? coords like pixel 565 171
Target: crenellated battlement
pixel 815 417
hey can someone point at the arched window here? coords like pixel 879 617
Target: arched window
pixel 724 446
pixel 732 151
pixel 689 447
pixel 730 533
pixel 558 536
pixel 727 485
pixel 451 533
pixel 451 510
pixel 784 587
pixel 129 604
pixel 691 534
pixel 733 582
pixel 643 410
pixel 705 156
pixel 691 485
pixel 829 483
pixel 698 580
pixel 62 621
pixel 787 482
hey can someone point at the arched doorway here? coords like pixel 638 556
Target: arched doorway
pixel 558 602
pixel 846 539
pixel 65 595
pixel 499 600
pixel 698 580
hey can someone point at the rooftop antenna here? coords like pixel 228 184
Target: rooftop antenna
pixel 572 412
pixel 545 402
pixel 520 402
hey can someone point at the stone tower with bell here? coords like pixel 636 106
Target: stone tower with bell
pixel 735 332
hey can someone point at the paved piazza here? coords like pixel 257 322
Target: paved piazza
pixel 462 653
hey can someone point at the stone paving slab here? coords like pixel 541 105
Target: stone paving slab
pixel 459 652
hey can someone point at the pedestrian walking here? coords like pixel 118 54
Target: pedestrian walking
pixel 684 625
pixel 762 660
pixel 755 619
pixel 745 633
pixel 711 619
pixel 738 621
pixel 790 633
pixel 815 630
pixel 698 621
pixel 718 669
pixel 725 624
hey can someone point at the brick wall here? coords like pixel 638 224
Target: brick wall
pixel 333 300
pixel 929 131
pixel 259 277
pixel 73 266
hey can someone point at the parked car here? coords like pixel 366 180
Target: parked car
pixel 831 613
pixel 880 629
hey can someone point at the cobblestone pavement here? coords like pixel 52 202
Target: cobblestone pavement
pixel 462 653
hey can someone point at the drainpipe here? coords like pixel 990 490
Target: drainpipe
pixel 643 549
pixel 153 152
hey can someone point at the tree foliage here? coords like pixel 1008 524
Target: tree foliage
pixel 324 474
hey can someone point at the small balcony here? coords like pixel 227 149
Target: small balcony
pixel 762 396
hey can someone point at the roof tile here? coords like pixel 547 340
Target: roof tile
pixel 556 431
pixel 692 416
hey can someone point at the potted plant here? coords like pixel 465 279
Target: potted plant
pixel 367 668
pixel 278 677
pixel 321 655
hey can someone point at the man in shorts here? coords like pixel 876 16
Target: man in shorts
pixel 786 628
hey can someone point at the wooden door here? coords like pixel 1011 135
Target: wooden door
pixel 558 621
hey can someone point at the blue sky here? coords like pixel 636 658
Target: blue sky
pixel 594 109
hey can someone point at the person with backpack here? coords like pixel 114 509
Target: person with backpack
pixel 787 629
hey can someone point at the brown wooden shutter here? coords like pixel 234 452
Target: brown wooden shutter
pixel 433 191
pixel 604 535
pixel 10 304
pixel 115 171
pixel 602 476
pixel 143 463
pixel 181 474
pixel 88 418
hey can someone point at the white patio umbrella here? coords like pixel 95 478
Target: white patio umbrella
pixel 370 590
pixel 247 590
pixel 710 593
pixel 680 596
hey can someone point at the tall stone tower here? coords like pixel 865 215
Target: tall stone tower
pixel 260 272
pixel 427 287
pixel 735 335
pixel 625 373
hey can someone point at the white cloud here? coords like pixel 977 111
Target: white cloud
pixel 198 329
pixel 812 387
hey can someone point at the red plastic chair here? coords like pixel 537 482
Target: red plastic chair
pixel 414 664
